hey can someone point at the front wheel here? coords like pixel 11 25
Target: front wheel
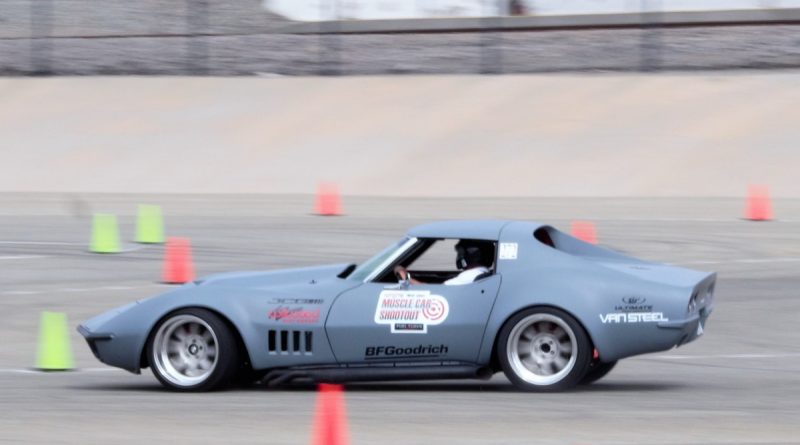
pixel 544 349
pixel 193 350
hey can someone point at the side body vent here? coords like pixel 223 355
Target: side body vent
pixel 289 342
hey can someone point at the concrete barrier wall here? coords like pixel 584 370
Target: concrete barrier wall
pixel 527 135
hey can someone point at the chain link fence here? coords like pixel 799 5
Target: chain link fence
pixel 241 37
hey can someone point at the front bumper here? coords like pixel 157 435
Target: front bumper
pixel 93 338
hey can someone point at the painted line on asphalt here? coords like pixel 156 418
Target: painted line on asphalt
pixel 21 257
pixel 724 356
pixel 709 220
pixel 37 371
pixel 83 289
pixel 42 243
pixel 743 261
pixel 20 292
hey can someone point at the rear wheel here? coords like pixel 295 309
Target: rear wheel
pixel 193 350
pixel 543 349
pixel 597 370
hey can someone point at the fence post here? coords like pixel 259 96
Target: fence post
pixel 330 40
pixel 651 45
pixel 197 37
pixel 491 34
pixel 41 45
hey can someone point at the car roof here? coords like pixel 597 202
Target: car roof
pixel 488 229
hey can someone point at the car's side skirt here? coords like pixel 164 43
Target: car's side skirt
pixel 345 373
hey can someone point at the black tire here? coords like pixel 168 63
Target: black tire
pixel 548 348
pixel 597 370
pixel 226 360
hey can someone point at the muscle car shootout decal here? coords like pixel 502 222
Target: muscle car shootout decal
pixel 421 351
pixel 410 312
pixel 299 314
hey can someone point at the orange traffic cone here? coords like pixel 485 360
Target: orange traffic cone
pixel 758 206
pixel 584 231
pixel 330 417
pixel 328 201
pixel 178 268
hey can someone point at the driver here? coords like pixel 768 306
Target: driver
pixel 473 259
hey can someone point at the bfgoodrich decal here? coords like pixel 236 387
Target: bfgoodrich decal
pixel 421 351
pixel 411 312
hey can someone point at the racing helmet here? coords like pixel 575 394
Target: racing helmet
pixel 473 253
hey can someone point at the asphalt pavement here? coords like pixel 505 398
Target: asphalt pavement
pixel 739 384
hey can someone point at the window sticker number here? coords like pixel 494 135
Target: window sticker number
pixel 508 251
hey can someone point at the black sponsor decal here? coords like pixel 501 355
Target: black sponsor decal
pixel 634 304
pixel 420 351
pixel 634 300
pixel 412 327
pixel 296 301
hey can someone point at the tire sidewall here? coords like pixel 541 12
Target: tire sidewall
pixel 582 360
pixel 227 352
pixel 596 371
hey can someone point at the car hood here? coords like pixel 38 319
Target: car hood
pixel 273 278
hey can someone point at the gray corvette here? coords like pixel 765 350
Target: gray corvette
pixel 455 299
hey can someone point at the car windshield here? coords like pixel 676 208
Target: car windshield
pixel 375 264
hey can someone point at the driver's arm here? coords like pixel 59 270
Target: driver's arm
pixel 402 273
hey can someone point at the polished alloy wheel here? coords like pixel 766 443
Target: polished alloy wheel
pixel 542 349
pixel 185 350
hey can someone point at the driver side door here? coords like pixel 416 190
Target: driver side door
pixel 380 322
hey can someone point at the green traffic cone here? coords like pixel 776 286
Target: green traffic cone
pixel 55 353
pixel 105 237
pixel 149 225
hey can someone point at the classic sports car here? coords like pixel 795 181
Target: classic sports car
pixel 547 309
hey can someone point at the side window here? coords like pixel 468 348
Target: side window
pixel 439 257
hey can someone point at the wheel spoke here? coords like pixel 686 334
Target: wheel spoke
pixel 205 364
pixel 174 346
pixel 179 334
pixel 528 333
pixel 560 362
pixel 180 365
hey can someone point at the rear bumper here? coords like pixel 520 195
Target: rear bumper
pixel 688 329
